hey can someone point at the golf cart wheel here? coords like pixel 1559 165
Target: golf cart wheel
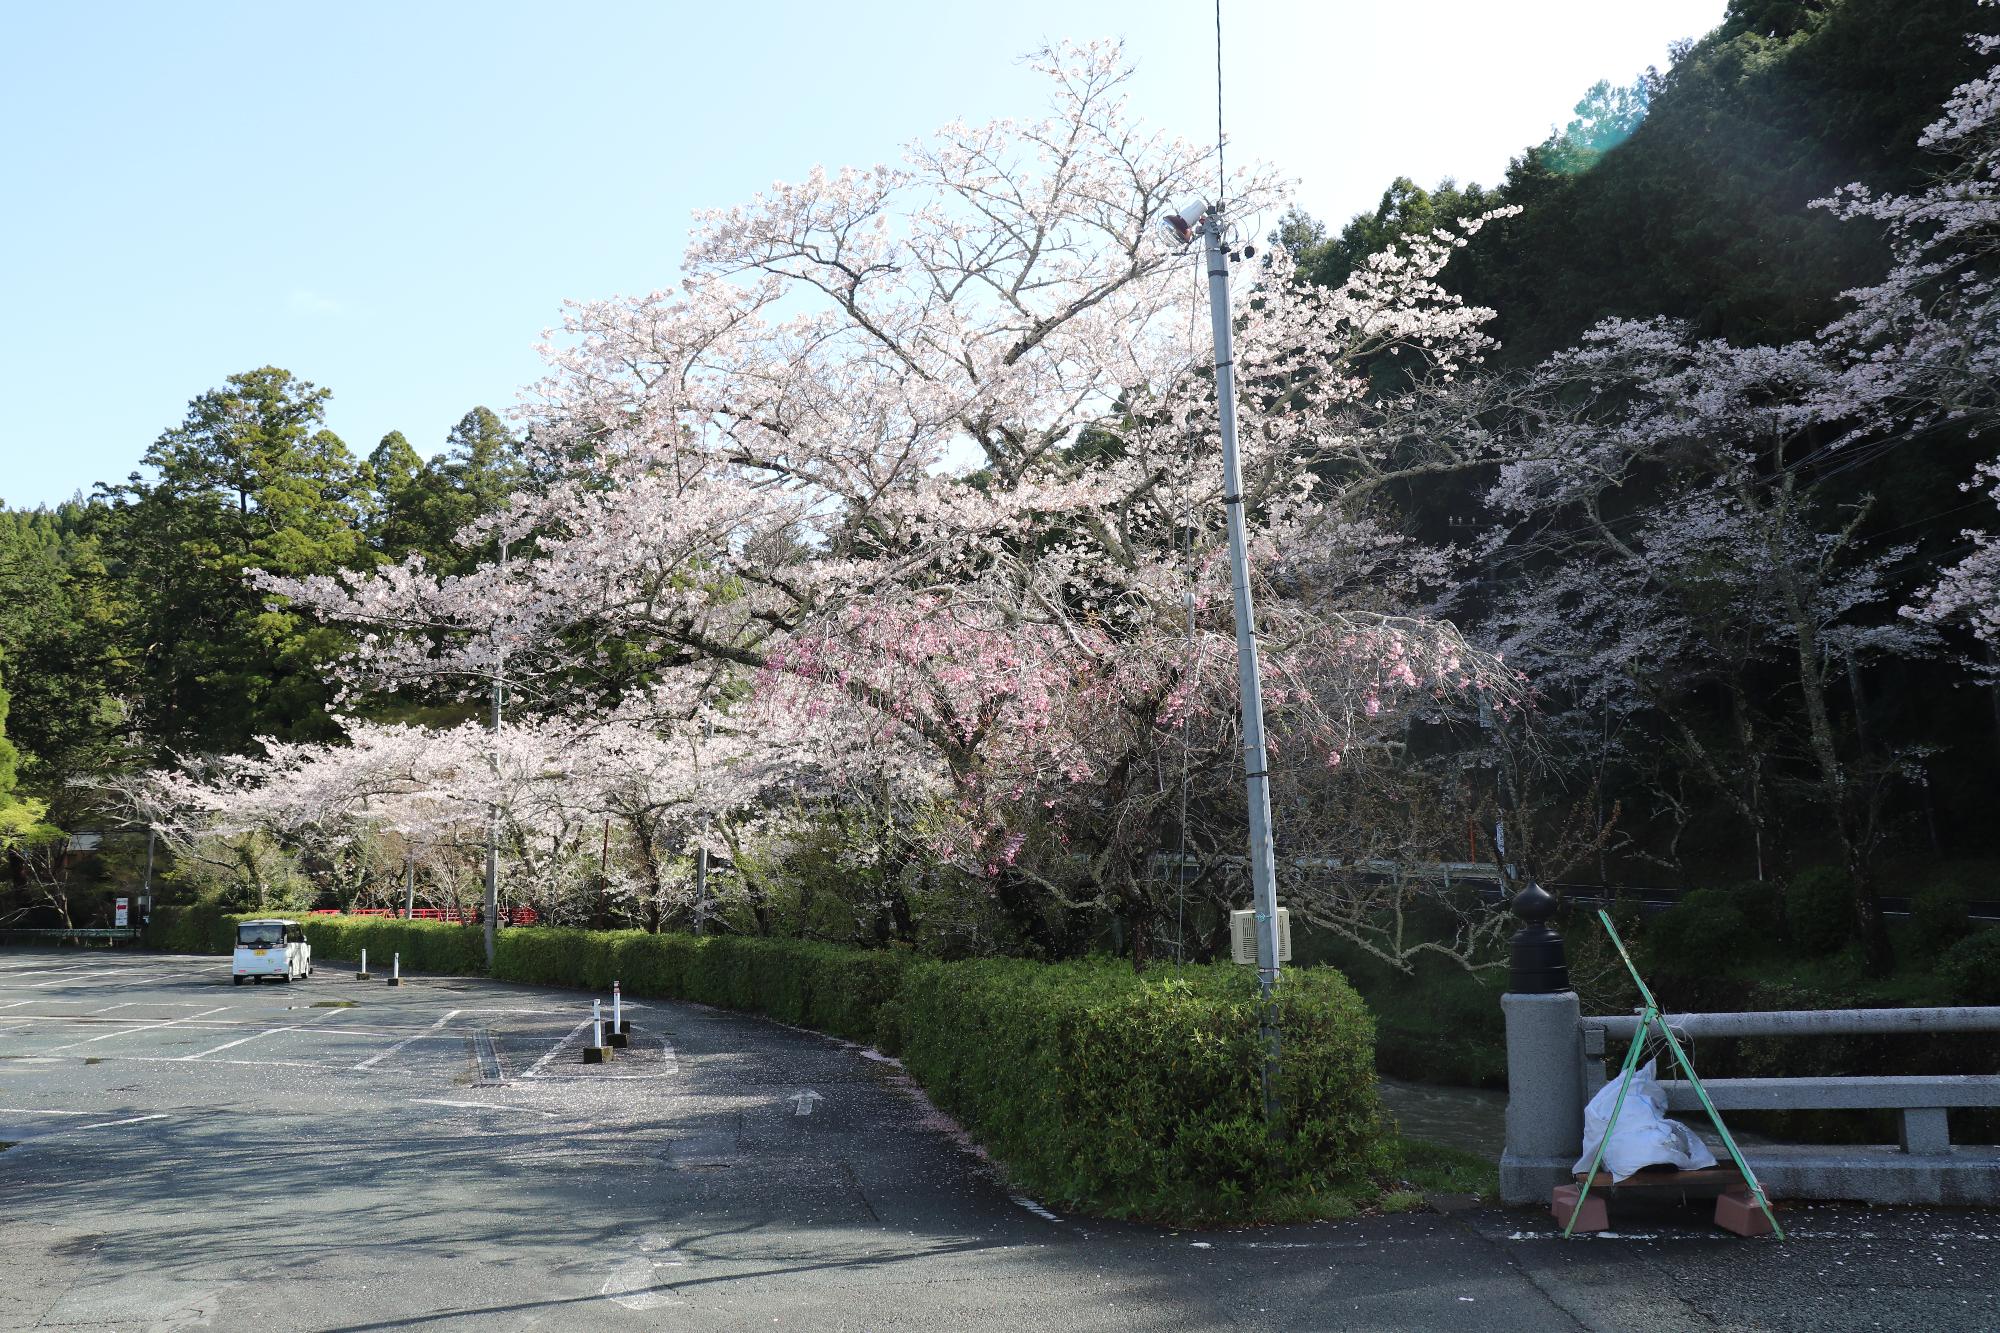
pixel 237 980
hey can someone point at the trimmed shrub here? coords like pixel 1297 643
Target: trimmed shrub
pixel 195 929
pixel 1140 1095
pixel 1819 907
pixel 426 946
pixel 1940 915
pixel 1763 909
pixel 1970 969
pixel 823 986
pixel 1704 931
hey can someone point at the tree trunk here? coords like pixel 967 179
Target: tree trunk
pixel 1868 922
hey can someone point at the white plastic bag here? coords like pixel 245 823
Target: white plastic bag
pixel 1644 1136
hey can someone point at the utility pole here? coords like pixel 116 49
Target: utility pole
pixel 409 884
pixel 493 811
pixel 1256 770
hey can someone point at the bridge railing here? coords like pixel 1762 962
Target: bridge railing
pixel 1923 1101
pixel 1556 1061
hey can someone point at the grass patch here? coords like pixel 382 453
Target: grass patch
pixel 334 1004
pixel 1432 1168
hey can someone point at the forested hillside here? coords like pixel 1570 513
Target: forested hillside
pixel 1685 193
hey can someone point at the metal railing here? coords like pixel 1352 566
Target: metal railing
pixel 1923 1101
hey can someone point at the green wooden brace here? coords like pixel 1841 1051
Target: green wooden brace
pixel 1648 1018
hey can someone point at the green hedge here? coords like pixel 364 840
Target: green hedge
pixel 1135 1096
pixel 426 946
pixel 1140 1095
pixel 824 986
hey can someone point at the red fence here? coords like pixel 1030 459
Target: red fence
pixel 509 916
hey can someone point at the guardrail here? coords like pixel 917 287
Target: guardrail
pixel 1923 1102
pixel 1485 880
pixel 1556 1063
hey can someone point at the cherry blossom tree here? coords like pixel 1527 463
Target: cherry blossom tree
pixel 1674 537
pixel 923 457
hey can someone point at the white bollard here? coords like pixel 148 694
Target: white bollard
pixel 597 1052
pixel 396 969
pixel 617 1010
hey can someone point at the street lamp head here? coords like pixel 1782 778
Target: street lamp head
pixel 1179 227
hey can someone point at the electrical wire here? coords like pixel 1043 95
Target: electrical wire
pixel 1221 170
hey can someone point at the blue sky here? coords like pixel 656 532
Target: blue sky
pixel 392 200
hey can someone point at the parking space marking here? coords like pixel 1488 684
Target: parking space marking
pixel 129 1120
pixel 288 1027
pixel 254 1064
pixel 116 974
pixel 484 1106
pixel 535 1070
pixel 669 1066
pixel 153 1025
pixel 109 1007
pixel 376 1059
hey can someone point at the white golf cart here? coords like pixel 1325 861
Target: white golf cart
pixel 275 948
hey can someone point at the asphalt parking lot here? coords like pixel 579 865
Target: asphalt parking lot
pixel 338 1154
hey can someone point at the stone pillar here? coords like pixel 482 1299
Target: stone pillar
pixel 1544 1059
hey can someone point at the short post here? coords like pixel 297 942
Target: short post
pixel 362 975
pixel 597 1052
pixel 617 1034
pixel 1544 1058
pixel 395 969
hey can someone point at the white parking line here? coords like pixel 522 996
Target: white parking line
pixel 129 1120
pixel 151 1026
pixel 534 1070
pixel 109 1007
pixel 67 979
pixel 289 1027
pixel 483 1106
pixel 374 1059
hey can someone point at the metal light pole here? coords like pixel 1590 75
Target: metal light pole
pixel 701 857
pixel 1263 870
pixel 493 811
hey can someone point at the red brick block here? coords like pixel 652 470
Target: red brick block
pixel 1737 1211
pixel 1562 1202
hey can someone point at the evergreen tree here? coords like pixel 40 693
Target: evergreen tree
pixel 478 470
pixel 250 480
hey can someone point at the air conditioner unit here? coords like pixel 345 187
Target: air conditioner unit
pixel 1243 936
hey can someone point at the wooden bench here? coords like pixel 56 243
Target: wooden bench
pixel 1735 1206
